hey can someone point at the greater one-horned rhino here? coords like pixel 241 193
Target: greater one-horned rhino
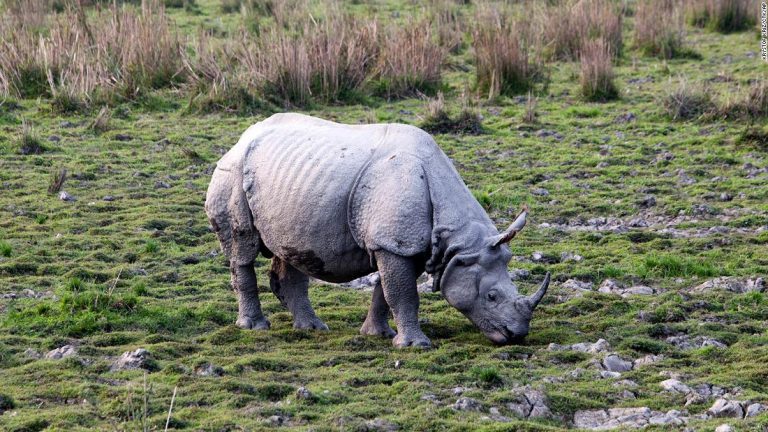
pixel 337 202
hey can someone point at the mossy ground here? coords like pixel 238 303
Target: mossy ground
pixel 139 271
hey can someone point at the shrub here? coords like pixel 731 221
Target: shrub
pixel 410 61
pixel 565 28
pixel 503 58
pixel 597 72
pixel 724 16
pixel 57 181
pixel 530 115
pixel 5 249
pixel 450 26
pixel 753 105
pixel 29 143
pixel 688 101
pixel 438 120
pixel 660 28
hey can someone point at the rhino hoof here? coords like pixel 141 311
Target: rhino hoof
pixel 253 323
pixel 310 324
pixel 415 341
pixel 382 330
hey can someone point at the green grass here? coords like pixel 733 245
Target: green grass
pixel 141 270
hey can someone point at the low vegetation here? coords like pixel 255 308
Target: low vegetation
pixel 597 82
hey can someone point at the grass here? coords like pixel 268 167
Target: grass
pixel 141 269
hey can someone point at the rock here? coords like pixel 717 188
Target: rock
pixel 208 369
pixel 380 425
pixel 609 374
pixel 62 352
pixel 108 198
pixel 685 178
pixel 590 419
pixel 33 354
pixel 466 404
pixel 427 285
pixel 626 394
pixel 725 196
pixel 647 202
pixel 614 363
pixel 724 428
pixel 726 408
pixel 648 359
pixel 138 359
pixel 686 342
pixel 625 118
pixel 162 185
pixel 610 286
pixel 577 285
pixel 671 417
pixel 66 124
pixel 303 393
pixel 569 256
pixel 600 346
pixel 675 386
pixel 123 137
pixel 732 284
pixel 431 398
pixel 518 274
pixel 529 403
pixel 458 390
pixel 540 192
pixel 755 409
pixel 625 383
pixel 277 420
pixel 65 196
pixel 626 418
pixel 54 138
pixel 368 281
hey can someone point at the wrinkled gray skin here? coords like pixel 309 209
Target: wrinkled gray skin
pixel 337 202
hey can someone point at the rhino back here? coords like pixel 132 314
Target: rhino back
pixel 298 176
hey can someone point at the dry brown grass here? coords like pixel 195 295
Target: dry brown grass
pixel 410 61
pixel 597 71
pixel 724 16
pixel 750 104
pixel 120 51
pixel 504 61
pixel 688 101
pixel 565 26
pixel 660 28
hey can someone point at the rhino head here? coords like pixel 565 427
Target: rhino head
pixel 478 285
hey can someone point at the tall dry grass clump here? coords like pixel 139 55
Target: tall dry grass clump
pixel 565 26
pixel 117 52
pixel 410 61
pixel 505 63
pixel 688 101
pixel 597 72
pixel 724 16
pixel 660 28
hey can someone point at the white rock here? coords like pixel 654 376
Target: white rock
pixel 466 404
pixel 62 352
pixel 609 374
pixel 732 284
pixel 755 409
pixel 648 359
pixel 724 428
pixel 131 360
pixel 614 363
pixel 726 408
pixel 675 386
pixel 64 196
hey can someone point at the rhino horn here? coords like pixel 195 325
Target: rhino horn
pixel 534 299
pixel 513 229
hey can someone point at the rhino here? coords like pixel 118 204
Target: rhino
pixel 337 202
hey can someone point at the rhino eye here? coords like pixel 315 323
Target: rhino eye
pixel 492 296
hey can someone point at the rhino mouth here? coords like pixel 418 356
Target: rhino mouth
pixel 504 337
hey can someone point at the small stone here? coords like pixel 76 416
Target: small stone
pixel 675 386
pixel 138 359
pixel 724 428
pixel 303 393
pixel 66 124
pixel 569 256
pixel 62 352
pixel 65 196
pixel 380 425
pixel 648 359
pixel 614 363
pixel 726 197
pixel 755 409
pixel 609 374
pixel 732 284
pixel 726 408
pixel 577 285
pixel 518 274
pixel 466 404
pixel 33 354
pixel 54 138
pixel 123 137
pixel 626 394
pixel 162 185
pixel 458 390
pixel 430 397
pixel 398 364
pixel 540 192
pixel 529 403
pixel 108 198
pixel 590 419
pixel 277 420
pixel 647 202
pixel 208 369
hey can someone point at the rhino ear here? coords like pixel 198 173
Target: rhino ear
pixel 459 282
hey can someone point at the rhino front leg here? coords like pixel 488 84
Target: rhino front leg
pixel 292 289
pixel 398 280
pixel 376 322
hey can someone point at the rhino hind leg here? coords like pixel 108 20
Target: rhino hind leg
pixel 398 280
pixel 376 323
pixel 291 287
pixel 231 219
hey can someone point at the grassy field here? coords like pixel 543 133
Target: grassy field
pixel 617 189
